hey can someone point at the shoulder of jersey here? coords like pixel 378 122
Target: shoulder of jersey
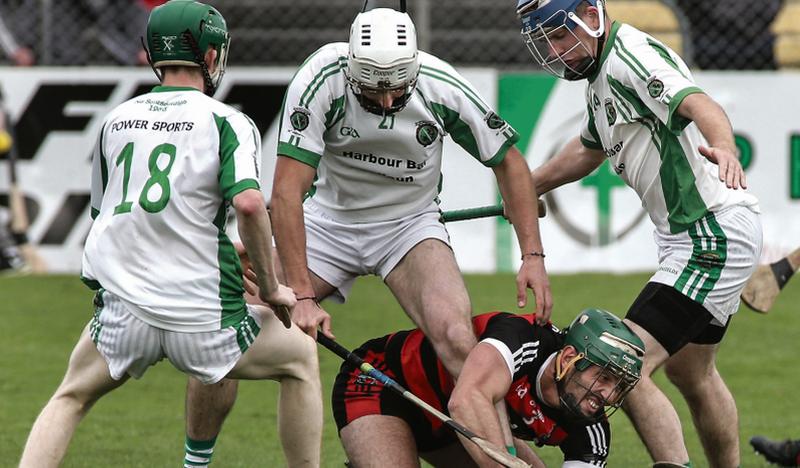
pixel 326 55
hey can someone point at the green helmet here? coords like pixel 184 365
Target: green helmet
pixel 603 340
pixel 180 32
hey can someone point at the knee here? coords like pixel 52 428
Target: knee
pixel 305 366
pixel 79 402
pixel 688 378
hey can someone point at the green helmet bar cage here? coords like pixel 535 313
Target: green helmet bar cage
pixel 603 340
pixel 180 32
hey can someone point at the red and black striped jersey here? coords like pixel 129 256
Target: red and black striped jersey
pixel 526 347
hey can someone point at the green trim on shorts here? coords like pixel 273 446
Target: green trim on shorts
pixel 95 327
pixel 246 332
pixel 709 254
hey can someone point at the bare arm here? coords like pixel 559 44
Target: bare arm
pixel 484 380
pixel 291 182
pixel 572 163
pixel 256 235
pixel 713 123
pixel 519 195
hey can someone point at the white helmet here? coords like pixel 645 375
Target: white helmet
pixel 383 57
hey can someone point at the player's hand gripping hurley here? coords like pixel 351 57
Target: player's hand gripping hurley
pixel 495 453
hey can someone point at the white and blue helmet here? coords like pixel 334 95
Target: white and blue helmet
pixel 548 27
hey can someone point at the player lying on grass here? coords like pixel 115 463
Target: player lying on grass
pixel 558 387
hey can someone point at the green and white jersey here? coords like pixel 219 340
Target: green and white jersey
pixel 374 168
pixel 631 114
pixel 166 166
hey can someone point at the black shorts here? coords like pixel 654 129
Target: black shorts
pixel 355 395
pixel 673 319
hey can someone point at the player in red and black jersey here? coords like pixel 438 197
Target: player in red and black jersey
pixel 557 387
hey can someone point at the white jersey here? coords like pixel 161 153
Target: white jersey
pixel 631 115
pixel 375 168
pixel 166 167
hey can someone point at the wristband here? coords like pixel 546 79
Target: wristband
pixel 533 254
pixel 511 450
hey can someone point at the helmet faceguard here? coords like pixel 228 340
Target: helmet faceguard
pixel 607 366
pixel 180 32
pixel 382 58
pixel 548 28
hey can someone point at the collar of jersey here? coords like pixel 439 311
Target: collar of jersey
pixel 539 378
pixel 606 49
pixel 166 89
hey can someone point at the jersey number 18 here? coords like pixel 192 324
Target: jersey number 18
pixel 158 177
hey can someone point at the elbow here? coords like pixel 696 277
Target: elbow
pixel 249 203
pixel 459 402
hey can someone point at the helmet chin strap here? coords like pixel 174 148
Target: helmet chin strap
pixel 560 373
pixel 210 88
pixel 599 34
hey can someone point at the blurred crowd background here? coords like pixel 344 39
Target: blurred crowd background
pixel 709 34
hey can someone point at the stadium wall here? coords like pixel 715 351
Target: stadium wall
pixel 594 225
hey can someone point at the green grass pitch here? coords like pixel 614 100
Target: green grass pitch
pixel 141 424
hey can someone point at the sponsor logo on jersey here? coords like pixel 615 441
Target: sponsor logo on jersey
pixel 494 121
pixel 615 149
pixel 427 132
pixel 611 111
pixel 655 88
pixel 299 118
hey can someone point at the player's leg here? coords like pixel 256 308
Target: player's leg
pixel 207 406
pixel 650 411
pixel 428 285
pixel 379 441
pixel 86 380
pixel 290 357
pixel 694 372
pixel 666 321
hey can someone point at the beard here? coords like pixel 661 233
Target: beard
pixel 571 405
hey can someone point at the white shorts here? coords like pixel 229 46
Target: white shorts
pixel 711 262
pixel 340 252
pixel 130 345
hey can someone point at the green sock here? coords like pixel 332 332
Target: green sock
pixel 198 452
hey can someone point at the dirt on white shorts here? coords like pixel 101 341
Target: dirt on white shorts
pixel 711 262
pixel 340 252
pixel 130 345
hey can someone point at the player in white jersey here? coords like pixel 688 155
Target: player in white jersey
pixel 662 135
pixel 357 178
pixel 167 167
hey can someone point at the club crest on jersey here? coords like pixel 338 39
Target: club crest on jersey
pixel 655 88
pixel 299 118
pixel 426 133
pixel 494 121
pixel 611 111
pixel 167 40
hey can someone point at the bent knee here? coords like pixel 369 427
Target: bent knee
pixel 305 364
pixel 684 377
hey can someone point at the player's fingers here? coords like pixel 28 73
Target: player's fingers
pixel 707 152
pixel 542 208
pixel 250 287
pixel 743 180
pixel 522 293
pixel 326 327
pixel 284 315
